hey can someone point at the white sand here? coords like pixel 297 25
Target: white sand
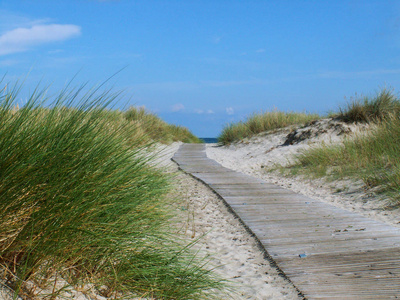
pixel 257 155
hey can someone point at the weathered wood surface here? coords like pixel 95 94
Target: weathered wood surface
pixel 327 252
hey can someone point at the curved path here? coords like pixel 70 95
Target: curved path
pixel 327 252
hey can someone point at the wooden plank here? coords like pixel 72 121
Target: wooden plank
pixel 252 192
pixel 326 251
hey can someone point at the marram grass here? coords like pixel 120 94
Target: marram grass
pixel 79 201
pixel 379 108
pixel 372 157
pixel 261 122
pixel 157 129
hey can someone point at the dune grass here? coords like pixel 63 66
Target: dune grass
pixel 261 122
pixel 81 204
pixel 373 157
pixel 157 129
pixel 371 109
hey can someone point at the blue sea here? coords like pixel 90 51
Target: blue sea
pixel 209 140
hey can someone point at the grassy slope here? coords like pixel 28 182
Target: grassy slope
pixel 257 123
pixel 156 128
pixel 374 158
pixel 80 201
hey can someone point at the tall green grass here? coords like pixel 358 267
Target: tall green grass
pixel 373 157
pixel 261 122
pixel 157 129
pixel 80 201
pixel 371 109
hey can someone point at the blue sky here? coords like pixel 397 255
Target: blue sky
pixel 203 64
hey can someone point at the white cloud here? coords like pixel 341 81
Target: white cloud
pixel 201 111
pixel 230 111
pixel 22 39
pixel 260 50
pixel 178 107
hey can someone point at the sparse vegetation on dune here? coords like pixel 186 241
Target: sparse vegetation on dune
pixel 373 157
pixel 81 205
pixel 257 123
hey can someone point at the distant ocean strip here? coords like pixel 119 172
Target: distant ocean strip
pixel 209 140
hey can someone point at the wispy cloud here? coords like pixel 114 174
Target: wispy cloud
pixel 230 110
pixel 201 111
pixel 178 107
pixel 260 50
pixel 23 39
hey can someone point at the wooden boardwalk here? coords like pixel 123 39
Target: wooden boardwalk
pixel 327 252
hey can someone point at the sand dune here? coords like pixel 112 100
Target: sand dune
pixel 257 155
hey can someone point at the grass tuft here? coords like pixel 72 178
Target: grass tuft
pixel 379 108
pixel 261 122
pixel 373 157
pixel 80 202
